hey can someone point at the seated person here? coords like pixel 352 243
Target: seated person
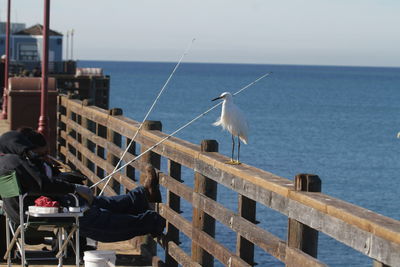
pixel 109 219
pixel 46 163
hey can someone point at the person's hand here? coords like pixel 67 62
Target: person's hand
pixel 85 192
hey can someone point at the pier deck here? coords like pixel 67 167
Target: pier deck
pixel 126 256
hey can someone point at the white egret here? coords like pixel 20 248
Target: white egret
pixel 177 131
pixel 232 120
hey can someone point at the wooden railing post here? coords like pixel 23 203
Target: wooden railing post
pixel 101 131
pixel 146 243
pixel 69 131
pixel 200 219
pixel 244 248
pixel 130 171
pixel 299 235
pixel 61 142
pixel 85 141
pixel 174 202
pixel 116 139
pixel 150 158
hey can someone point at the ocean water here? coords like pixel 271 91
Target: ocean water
pixel 340 123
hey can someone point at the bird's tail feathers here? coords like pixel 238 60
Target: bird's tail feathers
pixel 243 139
pixel 218 122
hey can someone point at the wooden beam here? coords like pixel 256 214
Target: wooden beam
pixel 372 234
pixel 208 243
pixel 201 220
pixel 260 237
pixel 302 236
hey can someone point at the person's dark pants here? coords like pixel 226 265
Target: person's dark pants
pixel 122 217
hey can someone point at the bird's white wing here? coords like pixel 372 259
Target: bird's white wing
pixel 237 123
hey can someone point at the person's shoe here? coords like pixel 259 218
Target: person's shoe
pixel 151 185
pixel 161 222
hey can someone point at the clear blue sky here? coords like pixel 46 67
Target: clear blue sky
pixel 323 32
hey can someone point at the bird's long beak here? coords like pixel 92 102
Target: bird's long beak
pixel 216 98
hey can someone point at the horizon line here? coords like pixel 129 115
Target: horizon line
pixel 240 63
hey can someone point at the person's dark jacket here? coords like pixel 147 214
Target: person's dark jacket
pixel 14 155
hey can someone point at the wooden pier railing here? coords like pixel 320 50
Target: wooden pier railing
pixel 92 139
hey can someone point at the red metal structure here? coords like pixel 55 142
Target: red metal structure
pixel 6 67
pixel 44 118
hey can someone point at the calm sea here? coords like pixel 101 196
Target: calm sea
pixel 340 123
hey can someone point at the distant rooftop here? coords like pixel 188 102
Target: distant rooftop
pixel 36 30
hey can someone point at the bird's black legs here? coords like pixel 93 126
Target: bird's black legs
pixel 238 162
pixel 232 161
pixel 233 148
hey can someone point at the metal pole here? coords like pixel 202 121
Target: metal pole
pixel 6 67
pixel 44 119
pixel 66 47
pixel 72 44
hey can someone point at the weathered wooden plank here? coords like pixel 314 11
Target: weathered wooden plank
pixel 157 262
pixel 299 235
pixel 85 132
pixel 115 139
pixel 93 113
pixel 154 160
pixel 112 148
pixel 150 157
pixel 103 163
pixel 266 197
pixel 262 238
pixel 175 186
pixel 257 235
pixel 180 256
pixel 127 128
pixel 253 233
pixel 209 244
pixel 131 149
pixel 93 177
pixel 101 132
pixel 201 220
pixel 174 202
pixel 86 125
pixel 297 258
pixel 363 241
pixel 322 208
pixel 246 210
pixel 169 149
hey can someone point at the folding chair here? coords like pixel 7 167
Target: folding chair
pixel 63 221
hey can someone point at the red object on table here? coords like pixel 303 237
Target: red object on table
pixel 46 202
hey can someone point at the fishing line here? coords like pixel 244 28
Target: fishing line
pixel 181 128
pixel 148 113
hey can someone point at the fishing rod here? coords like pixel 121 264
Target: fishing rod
pixel 148 113
pixel 179 129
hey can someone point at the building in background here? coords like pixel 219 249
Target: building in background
pixel 26 48
pixel 14 27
